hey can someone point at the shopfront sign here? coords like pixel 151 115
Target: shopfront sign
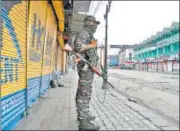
pixel 172 57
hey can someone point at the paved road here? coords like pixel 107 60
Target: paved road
pixel 56 110
pixel 147 76
pixel 166 82
pixel 143 86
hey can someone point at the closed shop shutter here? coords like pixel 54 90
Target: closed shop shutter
pixel 64 61
pixel 159 66
pixel 176 66
pixel 13 62
pixel 48 54
pixel 150 66
pixel 59 60
pixel 165 66
pixel 36 40
pixel 54 63
pixel 55 56
pixel 169 66
pixel 156 66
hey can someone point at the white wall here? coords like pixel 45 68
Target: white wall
pixel 97 9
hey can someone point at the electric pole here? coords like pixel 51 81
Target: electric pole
pixel 106 44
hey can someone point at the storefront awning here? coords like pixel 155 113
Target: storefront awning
pixel 77 23
pixel 59 9
pixel 81 6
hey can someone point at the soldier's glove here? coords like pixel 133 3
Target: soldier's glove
pixel 93 44
pixel 67 48
pixel 77 60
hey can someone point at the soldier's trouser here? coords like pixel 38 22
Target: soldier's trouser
pixel 83 94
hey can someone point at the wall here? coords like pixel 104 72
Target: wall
pixel 166 48
pixel 101 55
pixel 168 45
pixel 28 56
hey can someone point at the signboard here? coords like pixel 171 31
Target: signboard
pixel 168 41
pixel 171 57
pixel 165 57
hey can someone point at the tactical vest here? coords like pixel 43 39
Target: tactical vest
pixel 92 53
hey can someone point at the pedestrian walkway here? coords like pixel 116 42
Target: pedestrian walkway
pixel 56 110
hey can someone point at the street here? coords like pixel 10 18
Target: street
pixel 56 110
pixel 157 91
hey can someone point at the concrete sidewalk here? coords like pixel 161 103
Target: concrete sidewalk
pixel 56 110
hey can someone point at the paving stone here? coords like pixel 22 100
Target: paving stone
pixel 103 128
pixel 109 126
pixel 98 119
pixel 142 128
pixel 147 122
pixel 140 117
pixel 119 127
pixel 113 114
pixel 135 127
pixel 161 122
pixel 142 124
pixel 100 123
pixel 125 124
pixel 126 118
pixel 109 129
pixel 129 128
pixel 73 126
pixel 116 123
pixel 152 127
pixel 106 121
pixel 145 128
pixel 148 114
pixel 132 123
pixel 170 128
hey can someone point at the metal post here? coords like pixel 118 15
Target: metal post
pixel 106 38
pixel 105 84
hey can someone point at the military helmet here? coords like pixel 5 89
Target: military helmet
pixel 91 18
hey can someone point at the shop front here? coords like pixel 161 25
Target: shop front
pixel 175 63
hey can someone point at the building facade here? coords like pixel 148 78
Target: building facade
pixel 126 55
pixel 160 52
pixel 31 55
pixel 126 58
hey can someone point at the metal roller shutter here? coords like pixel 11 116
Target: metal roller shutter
pixel 36 40
pixel 50 41
pixel 169 65
pixel 54 63
pixel 64 55
pixel 13 62
pixel 59 59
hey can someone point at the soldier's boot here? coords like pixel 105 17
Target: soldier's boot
pixel 91 118
pixel 85 125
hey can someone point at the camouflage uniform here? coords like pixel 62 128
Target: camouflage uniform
pixel 84 90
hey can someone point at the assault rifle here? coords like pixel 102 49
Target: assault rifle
pixel 94 69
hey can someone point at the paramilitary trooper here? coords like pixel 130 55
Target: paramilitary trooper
pixel 86 44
